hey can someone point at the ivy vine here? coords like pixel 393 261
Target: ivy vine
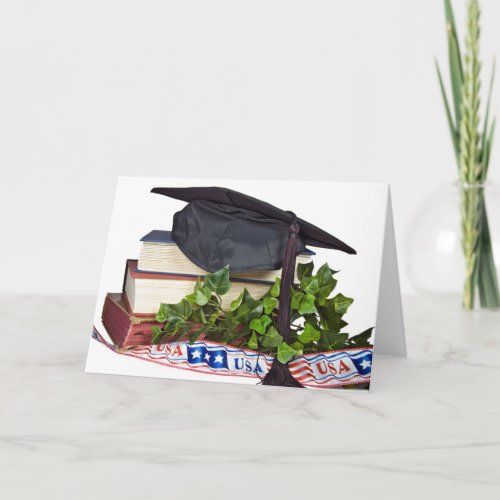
pixel 316 316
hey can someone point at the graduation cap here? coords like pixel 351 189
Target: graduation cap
pixel 220 226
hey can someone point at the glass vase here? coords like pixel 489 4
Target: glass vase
pixel 453 244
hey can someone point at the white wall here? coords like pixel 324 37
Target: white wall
pixel 337 90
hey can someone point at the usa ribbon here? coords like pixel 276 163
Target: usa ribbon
pixel 318 370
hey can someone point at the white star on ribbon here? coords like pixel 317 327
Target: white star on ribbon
pixel 207 356
pixel 219 359
pixel 196 354
pixel 365 364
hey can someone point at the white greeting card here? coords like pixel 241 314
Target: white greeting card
pixel 202 296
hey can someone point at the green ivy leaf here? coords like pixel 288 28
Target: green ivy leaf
pixel 198 315
pixel 160 315
pixel 298 347
pixel 323 294
pixel 362 339
pixel 240 333
pixel 329 318
pixel 310 334
pixel 305 270
pixel 253 342
pixel 307 305
pixel 341 303
pixel 260 324
pixel 312 319
pixel 275 289
pixel 172 328
pixel 286 353
pixel 169 330
pixel 310 285
pixel 248 309
pixel 272 338
pixel 270 304
pixel 335 340
pixel 236 303
pixel 158 334
pixel 191 298
pixel 197 333
pixel 219 282
pixel 229 322
pixel 295 315
pixel 335 323
pixel 175 313
pixel 324 275
pixel 180 311
pixel 179 330
pixel 201 295
pixel 212 319
pixel 326 283
pixel 296 297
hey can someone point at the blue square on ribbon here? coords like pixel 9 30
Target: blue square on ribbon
pixel 363 363
pixel 196 354
pixel 200 354
pixel 217 358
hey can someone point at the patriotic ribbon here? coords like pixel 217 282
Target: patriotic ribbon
pixel 319 370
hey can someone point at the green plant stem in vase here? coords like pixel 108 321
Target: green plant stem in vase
pixel 472 149
pixel 471 228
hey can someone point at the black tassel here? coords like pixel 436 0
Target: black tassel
pixel 279 374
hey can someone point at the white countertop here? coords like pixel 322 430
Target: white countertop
pixel 430 427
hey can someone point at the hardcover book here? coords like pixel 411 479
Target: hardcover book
pixel 146 291
pixel 123 327
pixel 160 254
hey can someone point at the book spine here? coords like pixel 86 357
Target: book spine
pixel 123 328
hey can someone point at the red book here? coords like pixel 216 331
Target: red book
pixel 125 328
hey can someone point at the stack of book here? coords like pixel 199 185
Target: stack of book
pixel 163 274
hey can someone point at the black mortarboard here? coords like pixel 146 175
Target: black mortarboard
pixel 220 226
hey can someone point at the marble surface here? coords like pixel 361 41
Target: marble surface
pixel 429 429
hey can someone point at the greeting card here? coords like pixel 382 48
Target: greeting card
pixel 255 282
